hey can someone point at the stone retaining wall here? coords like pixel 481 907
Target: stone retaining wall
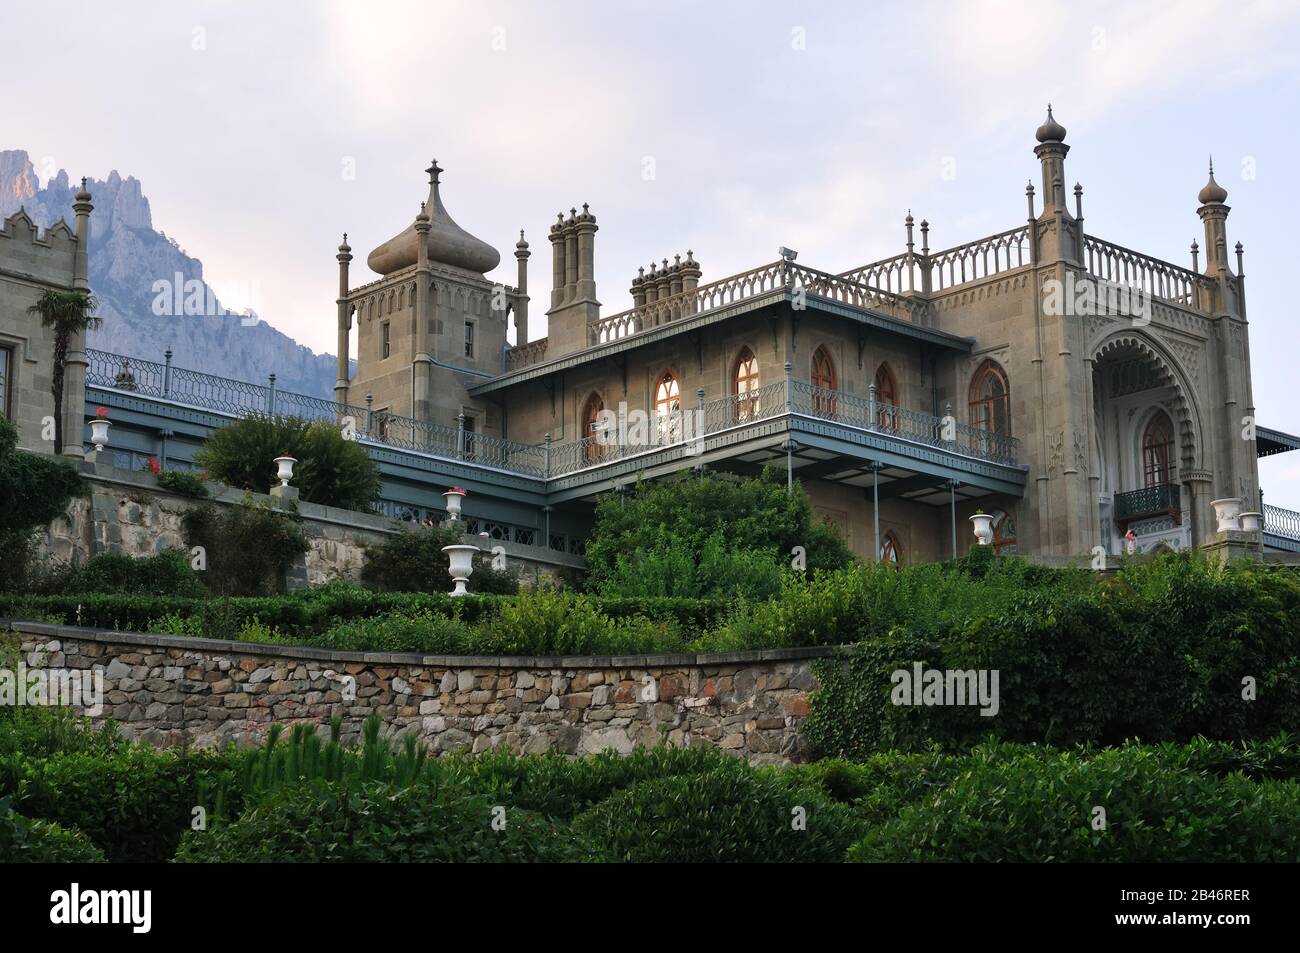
pixel 168 690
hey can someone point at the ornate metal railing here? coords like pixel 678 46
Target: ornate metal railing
pixel 903 422
pixel 1163 499
pixel 1160 279
pixel 1281 522
pixel 222 394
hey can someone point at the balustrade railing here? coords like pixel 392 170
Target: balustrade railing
pixel 1159 279
pixel 1281 522
pixel 525 355
pixel 936 271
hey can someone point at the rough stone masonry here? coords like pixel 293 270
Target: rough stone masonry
pixel 168 690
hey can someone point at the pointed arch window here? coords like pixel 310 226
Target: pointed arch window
pixel 1158 450
pixel 744 380
pixel 668 408
pixel 891 549
pixel 593 449
pixel 990 399
pixel 886 398
pixel 824 383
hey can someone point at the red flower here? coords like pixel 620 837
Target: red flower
pixel 153 466
pixel 101 411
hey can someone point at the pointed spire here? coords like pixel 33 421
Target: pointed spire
pixel 435 172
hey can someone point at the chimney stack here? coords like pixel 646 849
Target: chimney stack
pixel 573 293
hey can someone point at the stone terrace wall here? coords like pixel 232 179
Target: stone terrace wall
pixel 167 690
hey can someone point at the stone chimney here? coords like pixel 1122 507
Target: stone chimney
pixel 573 293
pixel 666 284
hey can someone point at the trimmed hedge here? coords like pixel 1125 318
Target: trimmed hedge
pixel 26 841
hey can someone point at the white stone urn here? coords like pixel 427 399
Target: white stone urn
pixel 983 525
pixel 1252 522
pixel 1228 513
pixel 284 468
pixel 99 432
pixel 460 558
pixel 453 498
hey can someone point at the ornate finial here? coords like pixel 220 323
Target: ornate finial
pixel 640 272
pixel 434 171
pixel 1050 130
pixel 1213 192
pixel 690 256
pixel 909 218
pixel 1078 189
pixel 677 261
pixel 1211 165
pixel 584 208
pixel 345 238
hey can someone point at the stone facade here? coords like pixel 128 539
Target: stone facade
pixel 168 690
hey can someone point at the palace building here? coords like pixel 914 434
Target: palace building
pixel 1078 393
pixel 1070 387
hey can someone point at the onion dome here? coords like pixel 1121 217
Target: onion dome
pixel 1213 192
pixel 1050 130
pixel 448 243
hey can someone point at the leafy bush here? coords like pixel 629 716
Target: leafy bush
pixel 548 622
pixel 35 490
pixel 44 731
pixel 1015 804
pixel 656 542
pixel 132 803
pixel 413 561
pixel 323 822
pixel 167 574
pixel 728 814
pixel 24 841
pixel 182 483
pixel 331 469
pixel 249 547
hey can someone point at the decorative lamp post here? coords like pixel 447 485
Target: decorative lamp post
pixel 99 425
pixel 284 468
pixel 983 524
pixel 460 565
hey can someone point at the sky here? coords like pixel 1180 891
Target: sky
pixel 262 131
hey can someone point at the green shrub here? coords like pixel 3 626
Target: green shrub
pixel 331 469
pixel 25 841
pixel 728 814
pixel 419 631
pixel 413 561
pixel 323 822
pixel 1016 804
pixel 547 622
pixel 248 547
pixel 34 490
pixel 132 803
pixel 39 732
pixel 183 483
pixel 658 540
pixel 167 574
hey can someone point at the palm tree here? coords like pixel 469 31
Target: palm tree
pixel 68 313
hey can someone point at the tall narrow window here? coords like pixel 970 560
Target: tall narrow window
pixel 823 382
pixel 592 448
pixel 1158 451
pixel 668 408
pixel 891 549
pixel 990 399
pixel 6 365
pixel 469 338
pixel 385 340
pixel 886 398
pixel 745 381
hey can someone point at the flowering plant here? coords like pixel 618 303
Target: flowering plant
pixel 101 412
pixel 154 467
pixel 458 489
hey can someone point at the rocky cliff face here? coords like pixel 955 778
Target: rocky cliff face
pixel 127 257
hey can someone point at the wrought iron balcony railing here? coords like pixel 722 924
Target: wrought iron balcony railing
pixel 1163 499
pixel 1280 522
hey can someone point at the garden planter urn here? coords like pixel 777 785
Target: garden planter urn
pixel 453 498
pixel 1228 513
pixel 460 558
pixel 99 432
pixel 1251 522
pixel 284 468
pixel 983 524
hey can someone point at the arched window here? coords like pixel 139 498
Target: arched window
pixel 891 549
pixel 823 382
pixel 990 399
pixel 886 398
pixel 1004 533
pixel 593 448
pixel 668 408
pixel 1158 451
pixel 745 385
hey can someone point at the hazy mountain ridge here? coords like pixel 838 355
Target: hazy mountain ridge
pixel 127 255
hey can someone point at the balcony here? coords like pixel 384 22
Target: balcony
pixel 1163 499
